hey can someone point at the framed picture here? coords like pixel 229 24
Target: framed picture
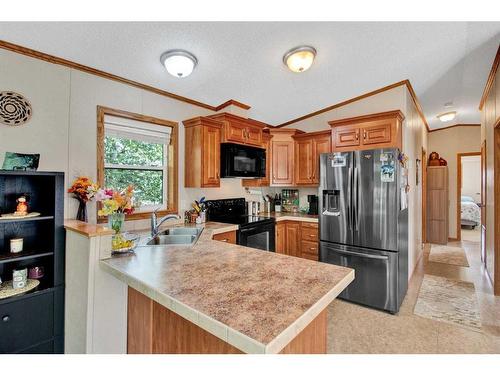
pixel 21 162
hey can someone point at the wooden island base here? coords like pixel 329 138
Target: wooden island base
pixel 154 329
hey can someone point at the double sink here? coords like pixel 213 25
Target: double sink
pixel 176 236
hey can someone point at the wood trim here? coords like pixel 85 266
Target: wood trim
pixel 423 167
pixel 496 210
pixel 173 150
pixel 232 102
pixel 452 126
pixel 490 80
pixel 371 117
pixel 226 115
pixel 363 96
pixel 312 134
pixel 100 73
pixel 459 188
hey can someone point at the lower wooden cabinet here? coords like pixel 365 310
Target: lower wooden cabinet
pixel 229 237
pixel 299 239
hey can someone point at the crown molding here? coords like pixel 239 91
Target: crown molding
pixel 452 126
pixel 491 78
pixel 232 102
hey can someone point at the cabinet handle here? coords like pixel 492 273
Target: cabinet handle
pixel 5 318
pixel 364 135
pixel 312 235
pixel 312 248
pixel 224 240
pixel 357 136
pixel 218 175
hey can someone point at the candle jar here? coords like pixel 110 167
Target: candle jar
pixel 16 245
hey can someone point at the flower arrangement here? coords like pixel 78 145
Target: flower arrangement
pixel 116 202
pixel 83 189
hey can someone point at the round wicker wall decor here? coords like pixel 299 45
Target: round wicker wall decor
pixel 14 108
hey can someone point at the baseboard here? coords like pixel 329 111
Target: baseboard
pixel 451 239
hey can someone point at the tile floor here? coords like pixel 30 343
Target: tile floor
pixel 357 329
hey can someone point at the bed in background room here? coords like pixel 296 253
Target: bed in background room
pixel 470 212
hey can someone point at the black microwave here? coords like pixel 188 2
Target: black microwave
pixel 242 161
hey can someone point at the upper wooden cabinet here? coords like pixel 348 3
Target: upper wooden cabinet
pixel 308 147
pixel 265 181
pixel 282 156
pixel 238 129
pixel 202 152
pixel 379 130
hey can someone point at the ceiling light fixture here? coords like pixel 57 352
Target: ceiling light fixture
pixel 178 62
pixel 299 59
pixel 448 116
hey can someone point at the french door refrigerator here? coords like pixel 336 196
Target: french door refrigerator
pixel 363 221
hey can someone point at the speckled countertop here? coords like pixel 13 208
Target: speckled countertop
pixel 282 216
pixel 255 300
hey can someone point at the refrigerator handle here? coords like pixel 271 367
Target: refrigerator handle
pixel 349 200
pixel 356 200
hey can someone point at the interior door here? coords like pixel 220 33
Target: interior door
pixel 376 199
pixel 483 201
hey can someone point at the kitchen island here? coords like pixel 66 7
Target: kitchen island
pixel 215 297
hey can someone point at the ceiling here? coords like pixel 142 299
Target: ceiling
pixel 444 61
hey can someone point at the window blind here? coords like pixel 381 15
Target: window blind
pixel 136 130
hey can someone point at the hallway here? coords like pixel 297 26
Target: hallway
pixel 356 329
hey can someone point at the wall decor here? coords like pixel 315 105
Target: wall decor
pixel 21 162
pixel 15 109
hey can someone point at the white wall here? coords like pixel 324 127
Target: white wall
pixel 471 177
pixel 64 123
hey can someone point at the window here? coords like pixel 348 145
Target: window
pixel 141 151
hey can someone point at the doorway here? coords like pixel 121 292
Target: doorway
pixel 469 196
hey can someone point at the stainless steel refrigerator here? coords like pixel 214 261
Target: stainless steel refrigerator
pixel 363 224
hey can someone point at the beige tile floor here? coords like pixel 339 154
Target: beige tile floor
pixel 357 329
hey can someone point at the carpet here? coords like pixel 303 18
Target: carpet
pixel 449 255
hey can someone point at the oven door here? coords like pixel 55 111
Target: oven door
pixel 259 236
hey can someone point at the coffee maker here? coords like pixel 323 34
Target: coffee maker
pixel 313 204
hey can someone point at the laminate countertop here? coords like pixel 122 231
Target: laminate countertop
pixel 256 301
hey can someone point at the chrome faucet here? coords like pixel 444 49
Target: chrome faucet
pixel 155 222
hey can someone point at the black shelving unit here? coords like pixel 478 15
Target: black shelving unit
pixel 33 322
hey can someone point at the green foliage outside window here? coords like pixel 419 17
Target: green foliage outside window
pixel 126 152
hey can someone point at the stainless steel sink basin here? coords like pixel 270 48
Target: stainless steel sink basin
pixel 183 231
pixel 176 236
pixel 162 239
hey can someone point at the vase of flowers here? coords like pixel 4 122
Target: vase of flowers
pixel 83 190
pixel 115 205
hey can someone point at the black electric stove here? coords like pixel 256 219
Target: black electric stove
pixel 254 231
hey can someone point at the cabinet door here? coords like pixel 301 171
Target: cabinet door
pixel 345 136
pixel 267 144
pixel 282 161
pixel 253 136
pixel 211 157
pixel 229 237
pixel 280 237
pixel 235 132
pixel 303 161
pixel 376 134
pixel 293 239
pixel 321 144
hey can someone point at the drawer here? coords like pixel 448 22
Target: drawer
pixel 310 256
pixel 309 234
pixel 229 237
pixel 305 224
pixel 26 322
pixel 309 247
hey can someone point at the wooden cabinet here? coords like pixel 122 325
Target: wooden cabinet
pixel 229 237
pixel 437 205
pixel 281 237
pixel 282 156
pixel 265 181
pixel 379 130
pixel 202 152
pixel 299 239
pixel 308 147
pixel 236 129
pixel 293 238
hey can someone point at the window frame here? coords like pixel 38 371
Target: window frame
pixel 172 158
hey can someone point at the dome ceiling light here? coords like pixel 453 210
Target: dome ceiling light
pixel 299 59
pixel 178 62
pixel 448 116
